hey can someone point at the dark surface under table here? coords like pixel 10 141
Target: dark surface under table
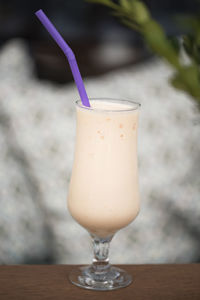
pixel 158 282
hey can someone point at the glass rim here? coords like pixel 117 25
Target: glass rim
pixel 135 105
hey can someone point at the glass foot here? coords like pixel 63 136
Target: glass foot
pixel 113 278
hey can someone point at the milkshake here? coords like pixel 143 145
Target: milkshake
pixel 103 193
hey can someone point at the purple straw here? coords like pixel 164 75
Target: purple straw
pixel 68 53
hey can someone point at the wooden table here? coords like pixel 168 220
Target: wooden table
pixel 158 282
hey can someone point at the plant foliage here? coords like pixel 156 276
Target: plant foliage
pixel 136 15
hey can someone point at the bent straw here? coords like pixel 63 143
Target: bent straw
pixel 68 53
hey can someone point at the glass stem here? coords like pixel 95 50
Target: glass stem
pixel 100 262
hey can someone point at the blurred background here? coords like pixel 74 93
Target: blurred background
pixel 37 131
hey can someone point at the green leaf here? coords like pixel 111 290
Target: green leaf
pixel 187 79
pixel 131 24
pixel 192 47
pixel 188 44
pixel 140 12
pixel 158 42
pixel 125 4
pixel 196 53
pixel 177 82
pixel 174 41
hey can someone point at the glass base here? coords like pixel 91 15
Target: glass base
pixel 113 278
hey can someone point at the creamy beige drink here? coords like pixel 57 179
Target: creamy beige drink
pixel 103 194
